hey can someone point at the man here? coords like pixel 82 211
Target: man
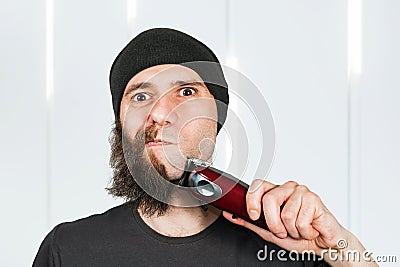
pixel 169 106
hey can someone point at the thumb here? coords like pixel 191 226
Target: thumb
pixel 265 234
pixel 287 243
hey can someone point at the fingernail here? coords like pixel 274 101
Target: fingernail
pixel 281 235
pixel 233 216
pixel 253 214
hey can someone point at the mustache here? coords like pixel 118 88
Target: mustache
pixel 150 133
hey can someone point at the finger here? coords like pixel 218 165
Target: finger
pixel 290 212
pixel 306 216
pixel 265 234
pixel 254 197
pixel 272 202
pixel 287 243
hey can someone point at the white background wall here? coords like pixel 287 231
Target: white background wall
pixel 343 144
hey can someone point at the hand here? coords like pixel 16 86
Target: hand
pixel 296 217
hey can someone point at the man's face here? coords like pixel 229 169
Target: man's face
pixel 177 113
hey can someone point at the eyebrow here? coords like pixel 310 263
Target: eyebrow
pixel 189 82
pixel 146 85
pixel 136 86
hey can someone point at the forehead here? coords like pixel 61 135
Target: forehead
pixel 164 75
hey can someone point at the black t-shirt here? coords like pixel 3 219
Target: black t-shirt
pixel 119 237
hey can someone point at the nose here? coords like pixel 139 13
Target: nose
pixel 163 111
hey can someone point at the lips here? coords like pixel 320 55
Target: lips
pixel 157 142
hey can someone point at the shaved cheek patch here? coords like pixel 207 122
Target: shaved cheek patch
pixel 206 148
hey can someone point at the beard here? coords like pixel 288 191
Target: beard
pixel 130 165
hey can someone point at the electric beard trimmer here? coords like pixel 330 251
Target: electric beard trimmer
pixel 220 189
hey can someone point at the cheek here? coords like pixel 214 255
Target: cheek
pixel 198 128
pixel 133 121
pixel 202 112
pixel 197 138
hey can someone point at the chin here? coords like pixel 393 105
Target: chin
pixel 174 168
pixel 174 163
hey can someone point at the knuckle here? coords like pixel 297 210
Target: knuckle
pixel 257 185
pixel 302 188
pixel 268 198
pixel 252 194
pixel 301 225
pixel 287 216
pixel 274 228
pixel 249 196
pixel 311 196
pixel 291 183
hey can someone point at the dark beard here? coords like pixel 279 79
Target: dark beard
pixel 123 183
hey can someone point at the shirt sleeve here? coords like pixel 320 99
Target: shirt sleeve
pixel 47 254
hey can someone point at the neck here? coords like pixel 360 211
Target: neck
pixel 181 221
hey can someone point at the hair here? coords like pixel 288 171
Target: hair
pixel 123 183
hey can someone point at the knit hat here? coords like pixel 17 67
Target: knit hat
pixel 167 46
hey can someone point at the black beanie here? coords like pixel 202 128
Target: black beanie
pixel 167 46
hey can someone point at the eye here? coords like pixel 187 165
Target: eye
pixel 140 97
pixel 187 91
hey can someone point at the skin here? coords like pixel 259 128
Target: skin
pixel 187 129
pixel 176 101
pixel 304 223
